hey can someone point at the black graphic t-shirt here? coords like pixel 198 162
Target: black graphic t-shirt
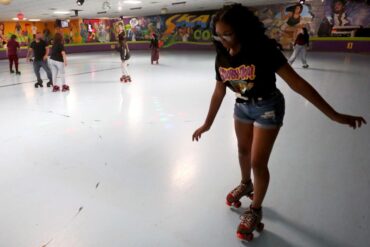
pixel 250 73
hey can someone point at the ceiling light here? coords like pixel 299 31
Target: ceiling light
pixel 34 20
pixel 61 12
pixel 16 19
pixel 5 2
pixel 80 2
pixel 132 1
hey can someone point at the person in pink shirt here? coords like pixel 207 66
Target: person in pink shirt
pixel 12 50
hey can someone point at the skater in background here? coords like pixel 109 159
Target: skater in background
pixel 125 55
pixel 12 52
pixel 154 45
pixel 300 48
pixel 246 62
pixel 40 50
pixel 57 62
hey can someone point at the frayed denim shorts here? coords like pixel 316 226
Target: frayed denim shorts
pixel 261 112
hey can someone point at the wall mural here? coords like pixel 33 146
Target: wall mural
pixel 171 28
pixel 26 31
pixel 2 34
pixel 282 22
pixel 343 15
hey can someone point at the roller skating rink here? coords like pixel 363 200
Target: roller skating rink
pixel 113 164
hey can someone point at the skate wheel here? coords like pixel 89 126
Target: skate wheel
pixel 260 227
pixel 242 236
pixel 229 203
pixel 251 196
pixel 237 204
pixel 249 237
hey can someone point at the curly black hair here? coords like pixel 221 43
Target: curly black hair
pixel 248 29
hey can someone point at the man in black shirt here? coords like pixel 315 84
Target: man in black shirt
pixel 40 51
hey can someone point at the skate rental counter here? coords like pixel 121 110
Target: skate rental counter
pixel 317 44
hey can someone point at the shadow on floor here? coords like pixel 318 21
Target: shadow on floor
pixel 268 238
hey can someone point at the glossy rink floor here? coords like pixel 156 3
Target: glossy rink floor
pixel 112 164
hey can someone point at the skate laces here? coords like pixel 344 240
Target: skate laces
pixel 250 218
pixel 241 189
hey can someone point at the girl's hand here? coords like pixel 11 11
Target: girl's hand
pixel 198 133
pixel 352 121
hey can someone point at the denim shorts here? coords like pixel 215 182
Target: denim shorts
pixel 265 113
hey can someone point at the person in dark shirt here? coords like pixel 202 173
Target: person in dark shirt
pixel 300 45
pixel 154 45
pixel 125 55
pixel 12 50
pixel 247 62
pixel 40 51
pixel 57 62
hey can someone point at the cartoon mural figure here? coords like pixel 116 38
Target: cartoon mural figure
pixel 111 31
pixel 108 31
pixel 18 29
pixel 159 25
pixel 133 30
pixel 335 16
pixel 355 12
pixel 2 36
pixel 33 30
pixel 340 17
pixel 71 35
pixel 294 18
pixel 102 33
pixel 344 13
pixel 47 34
pixel 83 32
pixel 183 33
pixel 95 32
pixel 292 15
pixel 91 37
